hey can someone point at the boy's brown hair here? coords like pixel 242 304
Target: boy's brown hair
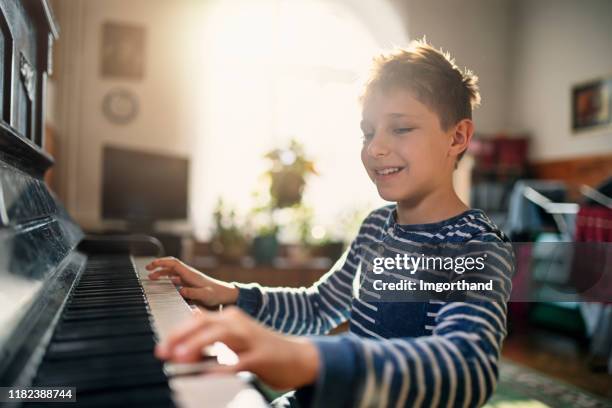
pixel 431 75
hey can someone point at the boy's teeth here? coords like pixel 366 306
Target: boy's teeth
pixel 388 170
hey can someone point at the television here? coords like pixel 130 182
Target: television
pixel 141 187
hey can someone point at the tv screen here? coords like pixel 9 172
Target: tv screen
pixel 140 186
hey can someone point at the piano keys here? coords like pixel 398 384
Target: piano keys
pixel 165 303
pixel 103 343
pixel 72 316
pixel 103 339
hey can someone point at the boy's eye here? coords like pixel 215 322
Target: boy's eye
pixel 400 131
pixel 367 136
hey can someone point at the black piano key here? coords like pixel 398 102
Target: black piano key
pixel 112 282
pixel 72 317
pixel 99 347
pixel 73 374
pixel 101 362
pixel 110 321
pixel 100 292
pixel 106 307
pixel 103 305
pixel 129 378
pixel 105 330
pixel 106 300
pixel 108 288
pixel 107 285
pixel 106 297
pixel 106 364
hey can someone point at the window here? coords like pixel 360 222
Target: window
pixel 276 71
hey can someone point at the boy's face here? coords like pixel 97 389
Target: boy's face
pixel 405 150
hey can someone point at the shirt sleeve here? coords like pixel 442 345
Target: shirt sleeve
pixel 455 366
pixel 305 311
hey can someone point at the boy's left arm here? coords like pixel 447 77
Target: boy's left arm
pixel 456 366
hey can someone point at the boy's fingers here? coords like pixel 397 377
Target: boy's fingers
pixel 245 363
pixel 164 349
pixel 190 349
pixel 193 293
pixel 170 266
pixel 185 329
pixel 171 263
pixel 158 273
pixel 223 369
pixel 176 280
pixel 162 263
pixel 157 262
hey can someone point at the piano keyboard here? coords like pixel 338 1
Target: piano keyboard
pixel 103 343
pixel 166 305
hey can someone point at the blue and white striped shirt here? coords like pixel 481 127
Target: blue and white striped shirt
pixel 421 354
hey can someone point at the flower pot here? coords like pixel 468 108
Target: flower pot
pixel 287 188
pixel 264 249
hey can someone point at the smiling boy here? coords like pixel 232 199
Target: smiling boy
pixel 417 123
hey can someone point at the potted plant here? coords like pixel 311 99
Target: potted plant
pixel 264 247
pixel 301 225
pixel 288 174
pixel 228 241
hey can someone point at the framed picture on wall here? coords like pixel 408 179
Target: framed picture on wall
pixel 123 51
pixel 592 105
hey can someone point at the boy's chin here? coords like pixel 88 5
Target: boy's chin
pixel 392 195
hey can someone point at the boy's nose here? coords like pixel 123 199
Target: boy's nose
pixel 377 147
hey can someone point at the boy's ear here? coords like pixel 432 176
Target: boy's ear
pixel 461 136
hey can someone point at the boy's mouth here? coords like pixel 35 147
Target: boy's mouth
pixel 387 172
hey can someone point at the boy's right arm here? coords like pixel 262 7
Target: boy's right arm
pixel 301 311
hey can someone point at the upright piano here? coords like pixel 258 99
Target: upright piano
pixel 75 313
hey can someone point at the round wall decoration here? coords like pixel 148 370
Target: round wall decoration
pixel 120 106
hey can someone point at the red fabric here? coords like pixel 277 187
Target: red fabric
pixel 593 224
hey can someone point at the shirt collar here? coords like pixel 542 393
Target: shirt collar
pixel 391 222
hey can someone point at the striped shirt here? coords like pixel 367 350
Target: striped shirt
pixel 421 354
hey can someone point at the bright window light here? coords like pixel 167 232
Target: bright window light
pixel 275 71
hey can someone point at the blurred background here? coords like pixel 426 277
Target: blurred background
pixel 230 131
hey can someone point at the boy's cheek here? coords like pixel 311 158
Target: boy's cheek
pixel 364 157
pixel 364 162
pixel 371 174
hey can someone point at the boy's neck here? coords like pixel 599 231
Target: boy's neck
pixel 435 207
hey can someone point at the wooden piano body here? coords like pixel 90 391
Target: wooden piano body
pixel 69 315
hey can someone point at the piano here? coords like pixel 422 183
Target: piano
pixel 76 313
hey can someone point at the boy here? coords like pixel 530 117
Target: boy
pixel 416 124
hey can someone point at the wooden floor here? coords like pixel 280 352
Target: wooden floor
pixel 559 357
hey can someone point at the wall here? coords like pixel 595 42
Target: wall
pixel 168 118
pixel 558 43
pixel 477 34
pixel 166 113
pixel 171 104
pixel 526 53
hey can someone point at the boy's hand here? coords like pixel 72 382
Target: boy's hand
pixel 195 285
pixel 281 361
